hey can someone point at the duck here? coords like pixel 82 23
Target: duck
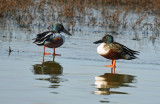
pixel 51 39
pixel 114 50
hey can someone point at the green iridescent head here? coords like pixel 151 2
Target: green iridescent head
pixel 106 39
pixel 59 28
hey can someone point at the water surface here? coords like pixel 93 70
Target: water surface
pixel 78 75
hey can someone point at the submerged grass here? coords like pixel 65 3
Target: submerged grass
pixel 109 13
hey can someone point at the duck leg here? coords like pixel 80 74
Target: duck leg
pixel 113 69
pixel 54 53
pixel 44 51
pixel 43 59
pixel 113 64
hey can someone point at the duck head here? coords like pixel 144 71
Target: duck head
pixel 106 39
pixel 59 28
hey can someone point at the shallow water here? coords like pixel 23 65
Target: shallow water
pixel 78 75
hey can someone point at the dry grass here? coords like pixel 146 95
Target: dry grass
pixel 113 13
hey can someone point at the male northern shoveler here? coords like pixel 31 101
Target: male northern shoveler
pixel 51 39
pixel 113 50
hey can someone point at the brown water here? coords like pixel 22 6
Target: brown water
pixel 78 76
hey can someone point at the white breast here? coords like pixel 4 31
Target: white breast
pixel 102 49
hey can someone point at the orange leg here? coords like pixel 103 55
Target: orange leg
pixel 113 70
pixel 113 64
pixel 43 58
pixel 44 51
pixel 54 53
pixel 53 58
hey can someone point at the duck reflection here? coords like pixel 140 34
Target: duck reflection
pixel 48 68
pixel 51 68
pixel 107 81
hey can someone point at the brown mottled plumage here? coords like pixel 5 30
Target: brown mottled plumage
pixel 113 50
pixel 119 51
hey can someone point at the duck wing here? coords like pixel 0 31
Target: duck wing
pixel 128 50
pixel 125 52
pixel 42 37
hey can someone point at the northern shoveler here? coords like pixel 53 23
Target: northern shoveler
pixel 51 39
pixel 113 50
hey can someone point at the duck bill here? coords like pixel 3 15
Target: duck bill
pixel 65 31
pixel 99 41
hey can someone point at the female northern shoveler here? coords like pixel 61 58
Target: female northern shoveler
pixel 113 50
pixel 51 39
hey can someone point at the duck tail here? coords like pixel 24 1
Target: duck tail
pixel 130 54
pixel 130 57
pixel 38 42
pixel 133 57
